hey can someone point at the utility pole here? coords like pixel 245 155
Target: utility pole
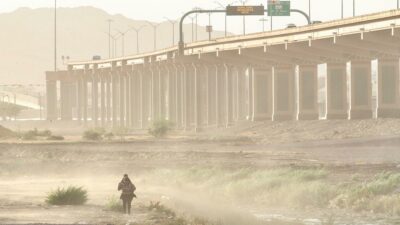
pixel 109 37
pixel 137 30
pixel 155 33
pixel 354 8
pixel 55 35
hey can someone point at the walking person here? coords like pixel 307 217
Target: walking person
pixel 128 189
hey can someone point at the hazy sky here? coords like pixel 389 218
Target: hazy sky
pixel 155 10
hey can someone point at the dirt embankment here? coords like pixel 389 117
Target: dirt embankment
pixel 6 133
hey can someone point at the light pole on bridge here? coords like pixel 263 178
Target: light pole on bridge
pixel 123 39
pixel 155 26
pixel 109 21
pixel 137 30
pixel 172 22
pixel 244 17
pixel 55 35
pixel 263 20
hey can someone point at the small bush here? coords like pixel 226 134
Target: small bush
pixel 93 135
pixel 29 135
pixel 55 138
pixel 114 204
pixel 44 133
pixel 109 136
pixel 67 196
pixel 160 128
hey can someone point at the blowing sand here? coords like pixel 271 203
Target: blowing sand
pixel 204 175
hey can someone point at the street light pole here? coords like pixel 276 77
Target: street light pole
pixel 173 29
pixel 244 18
pixel 354 8
pixel 223 7
pixel 109 37
pixel 155 34
pixel 55 35
pixel 342 9
pixel 123 39
pixel 263 20
pixel 137 30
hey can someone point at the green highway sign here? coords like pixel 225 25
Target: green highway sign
pixel 278 8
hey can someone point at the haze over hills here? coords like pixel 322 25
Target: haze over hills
pixel 26 40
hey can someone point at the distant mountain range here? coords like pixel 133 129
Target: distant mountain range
pixel 26 39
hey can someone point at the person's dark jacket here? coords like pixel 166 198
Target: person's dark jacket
pixel 128 189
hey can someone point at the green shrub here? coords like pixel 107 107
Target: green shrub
pixel 29 135
pixel 114 204
pixel 160 128
pixel 44 133
pixel 55 138
pixel 67 196
pixel 109 136
pixel 93 135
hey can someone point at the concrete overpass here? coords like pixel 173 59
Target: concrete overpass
pixel 263 76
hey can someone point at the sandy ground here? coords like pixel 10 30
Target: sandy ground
pixel 28 171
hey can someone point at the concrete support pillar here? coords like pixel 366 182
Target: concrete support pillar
pixel 142 113
pixel 102 100
pixel 388 88
pixel 249 84
pixel 79 94
pixel 51 96
pixel 179 96
pixel 188 90
pixel 95 97
pixel 121 87
pixel 134 96
pixel 146 97
pixel 221 94
pixel 228 95
pixel 198 114
pixel 241 99
pixel 85 96
pixel 212 110
pixel 155 94
pixel 262 101
pixel 308 92
pixel 284 93
pixel 162 91
pixel 115 97
pixel 235 93
pixel 171 92
pixel 336 91
pixel 65 99
pixel 128 99
pixel 109 98
pixel 360 90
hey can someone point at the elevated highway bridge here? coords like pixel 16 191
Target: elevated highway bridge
pixel 263 76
